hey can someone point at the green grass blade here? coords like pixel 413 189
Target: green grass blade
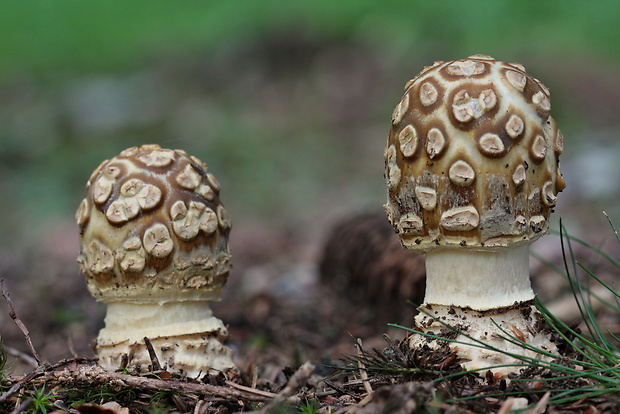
pixel 613 227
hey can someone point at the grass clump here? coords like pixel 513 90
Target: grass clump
pixel 42 400
pixel 309 406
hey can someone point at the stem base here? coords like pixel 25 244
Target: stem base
pixel 510 330
pixel 186 337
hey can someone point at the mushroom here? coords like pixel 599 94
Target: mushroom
pixel 473 174
pixel 154 248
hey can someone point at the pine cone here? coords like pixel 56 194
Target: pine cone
pixel 364 261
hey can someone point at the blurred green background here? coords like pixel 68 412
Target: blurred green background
pixel 288 103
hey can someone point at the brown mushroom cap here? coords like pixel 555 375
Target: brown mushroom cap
pixel 472 157
pixel 152 229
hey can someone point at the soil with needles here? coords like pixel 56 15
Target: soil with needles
pixel 295 339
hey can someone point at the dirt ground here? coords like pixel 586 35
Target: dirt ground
pixel 295 300
pixel 298 299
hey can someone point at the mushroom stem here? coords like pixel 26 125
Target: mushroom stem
pixel 179 331
pixel 486 296
pixel 478 279
pixel 137 320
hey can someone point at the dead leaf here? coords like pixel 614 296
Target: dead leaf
pixel 111 407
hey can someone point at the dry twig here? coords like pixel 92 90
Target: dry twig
pixel 18 322
pixel 19 354
pixel 19 385
pixel 154 360
pixel 541 407
pixel 79 373
pixel 23 406
pixel 507 406
pixel 266 394
pixel 362 368
pixel 297 380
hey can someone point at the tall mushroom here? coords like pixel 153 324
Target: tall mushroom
pixel 154 248
pixel 472 173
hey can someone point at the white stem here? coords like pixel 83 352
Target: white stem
pixel 478 279
pixel 131 322
pixel 185 336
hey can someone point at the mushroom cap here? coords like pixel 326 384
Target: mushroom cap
pixel 472 157
pixel 153 229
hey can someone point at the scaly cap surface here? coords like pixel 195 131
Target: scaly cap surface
pixel 472 157
pixel 153 229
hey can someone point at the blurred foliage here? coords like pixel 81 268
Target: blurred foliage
pixel 92 35
pixel 88 35
pixel 286 103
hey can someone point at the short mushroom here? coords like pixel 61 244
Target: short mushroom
pixel 154 248
pixel 473 174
